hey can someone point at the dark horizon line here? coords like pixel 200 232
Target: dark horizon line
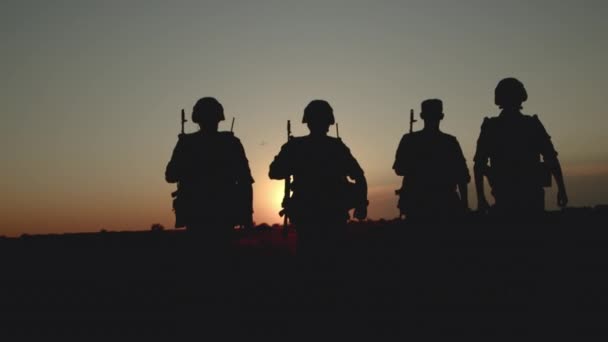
pixel 256 226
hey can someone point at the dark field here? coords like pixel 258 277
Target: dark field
pixel 389 278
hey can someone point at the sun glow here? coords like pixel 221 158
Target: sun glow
pixel 268 202
pixel 277 195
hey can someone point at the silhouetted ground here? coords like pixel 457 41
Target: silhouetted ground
pixel 510 279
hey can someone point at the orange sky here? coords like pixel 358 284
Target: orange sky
pixel 89 213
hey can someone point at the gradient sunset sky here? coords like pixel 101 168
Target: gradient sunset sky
pixel 91 92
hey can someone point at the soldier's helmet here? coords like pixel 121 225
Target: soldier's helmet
pixel 510 91
pixel 208 109
pixel 318 112
pixel 431 109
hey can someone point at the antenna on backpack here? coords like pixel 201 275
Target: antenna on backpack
pixel 337 131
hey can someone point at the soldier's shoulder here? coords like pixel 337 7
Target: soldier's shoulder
pixel 292 143
pixel 531 120
pixel 189 135
pixel 535 123
pixel 334 140
pixel 338 143
pixel 187 138
pixel 449 137
pixel 410 135
pixel 490 121
pixel 491 118
pixel 409 138
pixel 417 136
pixel 229 137
pixel 227 140
pixel 531 117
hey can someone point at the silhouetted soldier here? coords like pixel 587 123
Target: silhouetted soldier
pixel 433 169
pixel 215 183
pixel 513 144
pixel 322 194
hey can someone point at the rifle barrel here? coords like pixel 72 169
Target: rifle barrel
pixel 412 120
pixel 183 120
pixel 287 190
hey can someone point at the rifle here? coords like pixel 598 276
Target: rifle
pixel 287 192
pixel 412 120
pixel 400 192
pixel 177 201
pixel 183 120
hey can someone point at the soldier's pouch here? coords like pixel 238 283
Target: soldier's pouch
pixel 353 197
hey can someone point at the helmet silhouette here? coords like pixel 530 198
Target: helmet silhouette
pixel 431 109
pixel 208 109
pixel 318 111
pixel 510 91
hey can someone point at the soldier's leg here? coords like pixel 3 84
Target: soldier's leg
pixel 506 203
pixel 539 200
pixel 305 285
pixel 533 203
pixel 452 210
pixel 317 245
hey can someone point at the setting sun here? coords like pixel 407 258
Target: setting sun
pixel 267 202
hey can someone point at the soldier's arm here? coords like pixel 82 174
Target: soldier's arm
pixel 361 211
pixel 481 165
pixel 244 179
pixel 355 172
pixel 479 187
pixel 556 170
pixel 399 164
pixel 464 195
pixel 243 172
pixel 463 175
pixel 549 154
pixel 173 172
pixel 280 166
